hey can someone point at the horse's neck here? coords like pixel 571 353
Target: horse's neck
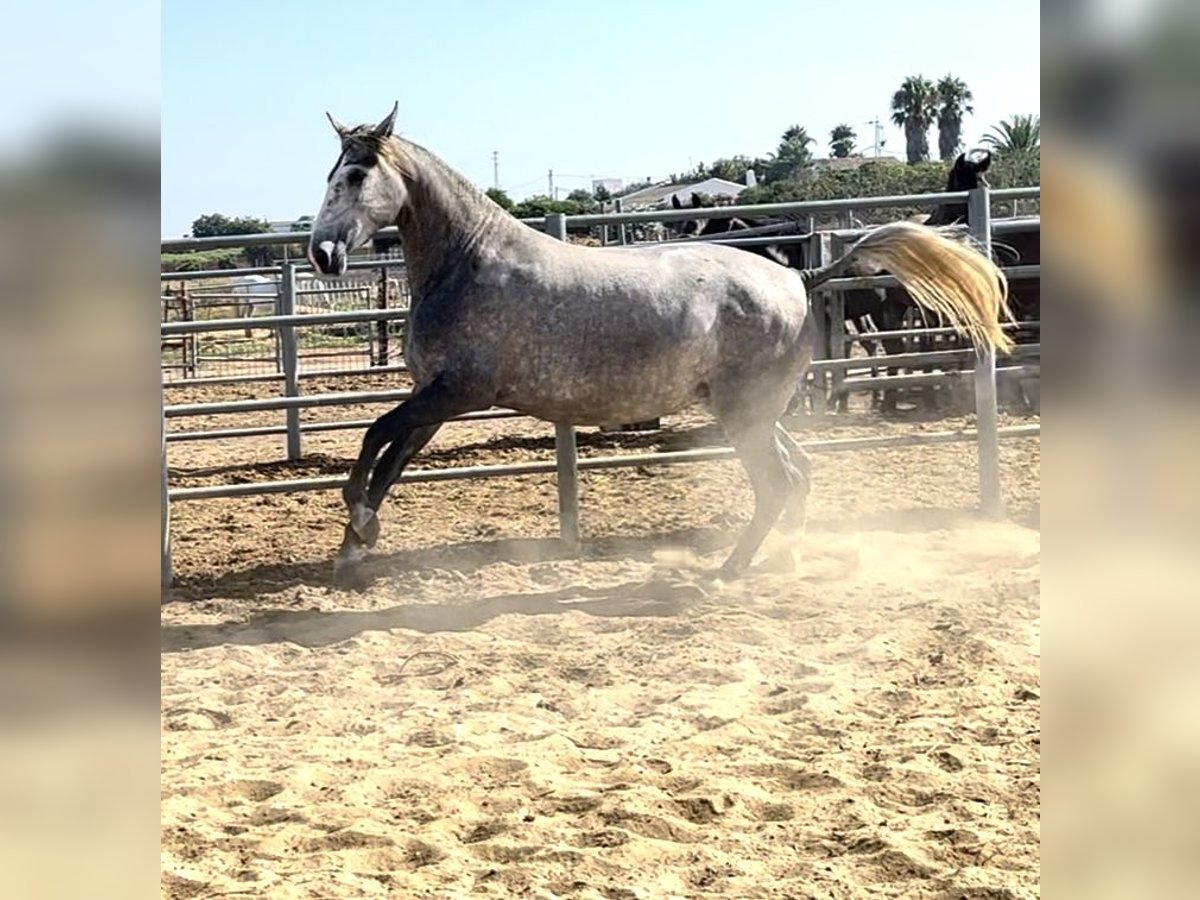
pixel 948 214
pixel 444 222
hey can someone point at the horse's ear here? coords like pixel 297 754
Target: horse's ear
pixel 384 128
pixel 696 201
pixel 979 159
pixel 675 201
pixel 337 126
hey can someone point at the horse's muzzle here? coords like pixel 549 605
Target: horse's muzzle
pixel 328 257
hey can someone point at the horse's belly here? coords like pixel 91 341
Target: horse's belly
pixel 613 397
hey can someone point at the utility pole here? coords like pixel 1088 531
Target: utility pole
pixel 496 169
pixel 878 134
pixel 550 182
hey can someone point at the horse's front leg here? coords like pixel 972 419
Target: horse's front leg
pixel 362 531
pixel 407 428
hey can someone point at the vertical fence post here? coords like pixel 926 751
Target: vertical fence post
pixel 290 356
pixel 836 306
pixel 979 218
pixel 622 235
pixel 188 346
pixel 819 305
pixel 564 439
pixel 382 326
pixel 165 502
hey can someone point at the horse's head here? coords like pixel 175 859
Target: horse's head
pixel 687 227
pixel 965 175
pixel 366 193
pixel 967 172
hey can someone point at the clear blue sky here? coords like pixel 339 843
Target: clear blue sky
pixel 65 61
pixel 612 88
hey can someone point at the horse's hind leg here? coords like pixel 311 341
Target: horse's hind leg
pixel 769 469
pixel 798 469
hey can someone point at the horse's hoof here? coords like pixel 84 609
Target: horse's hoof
pixel 729 572
pixel 365 524
pixel 348 570
pixel 350 577
pixel 781 562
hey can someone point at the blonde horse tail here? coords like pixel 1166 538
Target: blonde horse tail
pixel 941 271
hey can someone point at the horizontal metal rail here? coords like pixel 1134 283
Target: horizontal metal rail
pixel 865 383
pixel 301 268
pixel 674 457
pixel 219 380
pixel 930 332
pixel 362 397
pixel 176 245
pixel 899 360
pixel 212 434
pixel 1012 273
pixel 169 329
pixel 271 404
pixel 782 209
pixel 338 318
pixel 789 232
pixel 1000 226
pixel 197 298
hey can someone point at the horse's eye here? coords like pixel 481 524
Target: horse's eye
pixel 355 177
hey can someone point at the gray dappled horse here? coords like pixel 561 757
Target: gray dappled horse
pixel 503 315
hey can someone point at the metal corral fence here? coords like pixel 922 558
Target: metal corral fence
pixel 290 317
pixel 248 352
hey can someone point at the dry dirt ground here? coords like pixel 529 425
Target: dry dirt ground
pixel 491 717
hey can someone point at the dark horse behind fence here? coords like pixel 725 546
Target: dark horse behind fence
pixel 895 304
pixel 502 315
pixel 890 309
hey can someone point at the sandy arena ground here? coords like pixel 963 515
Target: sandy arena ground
pixel 492 718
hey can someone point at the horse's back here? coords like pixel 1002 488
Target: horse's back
pixel 606 335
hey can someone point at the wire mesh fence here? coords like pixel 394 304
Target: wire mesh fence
pixel 249 353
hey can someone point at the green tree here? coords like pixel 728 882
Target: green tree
pixel 218 225
pixel 953 102
pixel 602 194
pixel 914 108
pixel 792 158
pixel 731 168
pixel 874 178
pixel 540 205
pixel 841 141
pixel 296 251
pixel 1018 134
pixel 500 198
pixel 583 197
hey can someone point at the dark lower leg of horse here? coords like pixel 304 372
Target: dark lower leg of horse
pixel 768 468
pixel 362 531
pixel 431 404
pixel 798 470
pixel 890 394
pixel 393 461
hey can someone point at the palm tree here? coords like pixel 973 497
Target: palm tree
pixel 841 141
pixel 793 155
pixel 954 101
pixel 1016 135
pixel 914 108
